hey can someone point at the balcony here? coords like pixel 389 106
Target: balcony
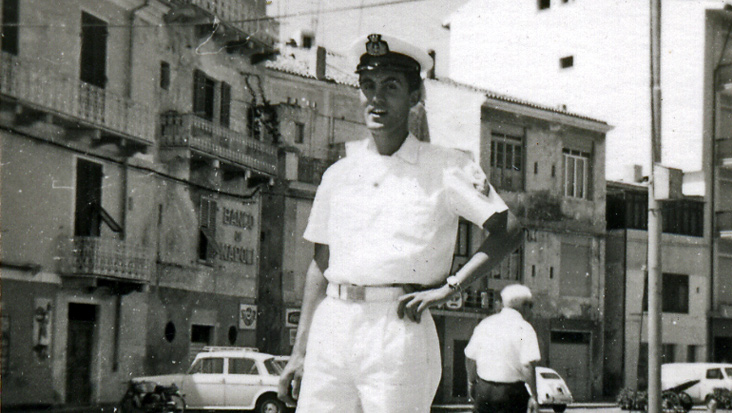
pixel 724 224
pixel 241 15
pixel 107 258
pixel 199 135
pixel 41 89
pixel 724 152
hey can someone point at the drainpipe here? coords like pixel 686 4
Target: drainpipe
pixel 130 45
pixel 128 94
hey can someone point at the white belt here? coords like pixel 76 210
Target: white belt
pixel 350 292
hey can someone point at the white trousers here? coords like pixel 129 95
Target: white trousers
pixel 362 358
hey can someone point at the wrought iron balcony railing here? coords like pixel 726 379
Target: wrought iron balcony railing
pixel 108 258
pixel 43 88
pixel 190 131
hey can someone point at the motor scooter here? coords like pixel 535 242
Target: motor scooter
pixel 150 397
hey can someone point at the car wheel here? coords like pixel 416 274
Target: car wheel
pixel 559 408
pixel 177 404
pixel 270 405
pixel 708 401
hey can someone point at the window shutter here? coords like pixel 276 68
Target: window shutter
pixel 225 109
pixel 199 93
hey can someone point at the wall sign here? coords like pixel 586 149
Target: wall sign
pixel 292 317
pixel 247 317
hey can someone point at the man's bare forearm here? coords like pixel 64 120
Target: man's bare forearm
pixel 315 284
pixel 504 236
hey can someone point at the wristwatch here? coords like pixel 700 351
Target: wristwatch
pixel 454 283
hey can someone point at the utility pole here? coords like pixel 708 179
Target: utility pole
pixel 654 220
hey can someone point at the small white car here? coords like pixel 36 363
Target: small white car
pixel 228 378
pixel 552 390
pixel 700 379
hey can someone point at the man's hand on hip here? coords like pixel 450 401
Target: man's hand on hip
pixel 290 379
pixel 413 303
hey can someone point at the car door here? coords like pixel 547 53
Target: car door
pixel 204 385
pixel 712 380
pixel 243 382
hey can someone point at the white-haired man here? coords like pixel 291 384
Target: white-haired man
pixel 501 357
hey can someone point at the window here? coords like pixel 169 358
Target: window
pixel 675 292
pixel 576 173
pixel 93 50
pixel 543 4
pixel 11 18
pixel 211 99
pixel 208 366
pixel 225 105
pixel 164 75
pixel 575 278
pixel 510 267
pixel 692 353
pixel 207 246
pixel 462 243
pixel 668 353
pixel 566 62
pixel 242 366
pixel 203 95
pixel 683 217
pixel 715 374
pixel 299 132
pixel 87 220
pixel 201 334
pixel 89 213
pixel 507 161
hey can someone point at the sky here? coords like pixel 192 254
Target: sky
pixel 417 21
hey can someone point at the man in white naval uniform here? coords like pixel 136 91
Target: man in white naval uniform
pixel 384 223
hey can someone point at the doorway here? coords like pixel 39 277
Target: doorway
pixel 569 355
pixel 79 348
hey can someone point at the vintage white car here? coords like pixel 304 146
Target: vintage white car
pixel 228 378
pixel 553 391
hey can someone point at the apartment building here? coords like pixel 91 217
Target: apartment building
pixel 548 165
pixel 717 138
pixel 685 284
pixel 136 148
pixel 594 57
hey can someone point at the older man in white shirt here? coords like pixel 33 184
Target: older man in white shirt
pixel 501 357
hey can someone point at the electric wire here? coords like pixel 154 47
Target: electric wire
pixel 252 20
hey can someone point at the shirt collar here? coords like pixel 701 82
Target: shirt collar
pixel 408 152
pixel 511 312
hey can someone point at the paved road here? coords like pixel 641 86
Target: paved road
pixel 576 408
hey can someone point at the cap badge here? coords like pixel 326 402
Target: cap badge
pixel 376 46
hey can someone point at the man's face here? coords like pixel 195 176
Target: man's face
pixel 386 100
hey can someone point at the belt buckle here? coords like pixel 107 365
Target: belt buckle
pixel 355 292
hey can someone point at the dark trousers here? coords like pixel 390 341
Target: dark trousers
pixel 492 397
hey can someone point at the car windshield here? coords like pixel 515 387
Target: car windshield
pixel 728 370
pixel 548 375
pixel 273 368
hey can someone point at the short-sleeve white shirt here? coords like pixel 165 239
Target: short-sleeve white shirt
pixel 502 346
pixel 393 219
